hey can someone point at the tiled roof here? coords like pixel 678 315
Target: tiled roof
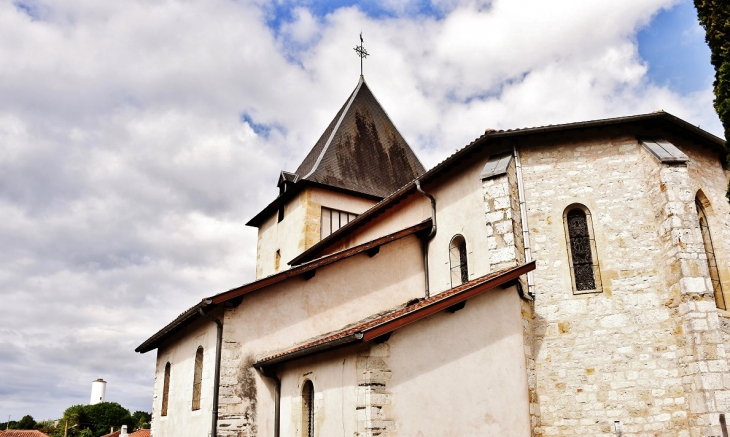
pixel 193 312
pixel 23 433
pixel 384 323
pixel 361 150
pixel 493 136
pixel 114 434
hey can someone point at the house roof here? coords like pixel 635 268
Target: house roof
pixel 379 325
pixel 193 313
pixel 643 122
pixel 23 433
pixel 361 153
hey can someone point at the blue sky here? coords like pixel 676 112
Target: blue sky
pixel 137 138
pixel 674 47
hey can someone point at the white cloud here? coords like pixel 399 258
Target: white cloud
pixel 127 175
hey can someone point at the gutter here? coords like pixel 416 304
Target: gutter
pixel 426 241
pixel 217 377
pixel 530 295
pixel 506 134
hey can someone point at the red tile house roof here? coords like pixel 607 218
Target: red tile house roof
pixel 383 324
pixel 23 433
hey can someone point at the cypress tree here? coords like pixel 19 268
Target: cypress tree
pixel 714 16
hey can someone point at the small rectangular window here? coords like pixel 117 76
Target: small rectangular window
pixel 332 220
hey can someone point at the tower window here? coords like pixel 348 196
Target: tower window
pixel 710 253
pixel 582 253
pixel 197 378
pixel 165 390
pixel 308 409
pixel 333 220
pixel 277 259
pixel 458 261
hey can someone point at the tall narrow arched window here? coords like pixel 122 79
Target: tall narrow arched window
pixel 308 409
pixel 197 378
pixel 710 253
pixel 458 261
pixel 582 254
pixel 165 390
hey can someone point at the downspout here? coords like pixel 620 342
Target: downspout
pixel 523 219
pixel 277 397
pixel 425 242
pixel 217 377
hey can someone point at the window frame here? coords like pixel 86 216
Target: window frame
pixel 457 245
pixel 197 377
pixel 328 216
pixel 166 390
pixel 710 255
pixel 307 429
pixel 595 263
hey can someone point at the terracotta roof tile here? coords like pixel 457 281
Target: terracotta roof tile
pixel 23 433
pixel 381 319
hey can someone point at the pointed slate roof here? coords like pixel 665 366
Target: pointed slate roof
pixel 361 150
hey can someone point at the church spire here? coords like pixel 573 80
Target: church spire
pixel 361 150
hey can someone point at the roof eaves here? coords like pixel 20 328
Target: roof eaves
pixel 376 209
pixel 295 189
pixel 320 262
pixel 371 329
pixel 194 312
pixel 180 321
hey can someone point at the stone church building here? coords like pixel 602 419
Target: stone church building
pixel 565 280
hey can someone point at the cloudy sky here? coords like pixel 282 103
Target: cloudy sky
pixel 137 137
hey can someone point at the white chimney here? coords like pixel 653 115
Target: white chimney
pixel 124 431
pixel 98 391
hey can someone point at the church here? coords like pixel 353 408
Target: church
pixel 564 280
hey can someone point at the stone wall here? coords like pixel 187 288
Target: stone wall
pixel 612 356
pixel 373 398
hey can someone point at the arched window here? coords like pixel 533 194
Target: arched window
pixel 165 389
pixel 197 377
pixel 308 409
pixel 582 252
pixel 458 262
pixel 710 252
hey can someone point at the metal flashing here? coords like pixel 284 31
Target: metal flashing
pixel 663 150
pixel 496 165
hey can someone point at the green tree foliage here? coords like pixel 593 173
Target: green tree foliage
pixel 714 16
pixel 94 420
pixel 104 415
pixel 26 422
pixel 142 419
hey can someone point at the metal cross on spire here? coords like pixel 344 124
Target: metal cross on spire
pixel 361 52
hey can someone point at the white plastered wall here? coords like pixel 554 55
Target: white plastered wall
pixel 462 374
pixel 460 209
pixel 299 229
pixel 296 310
pixel 451 374
pixel 180 353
